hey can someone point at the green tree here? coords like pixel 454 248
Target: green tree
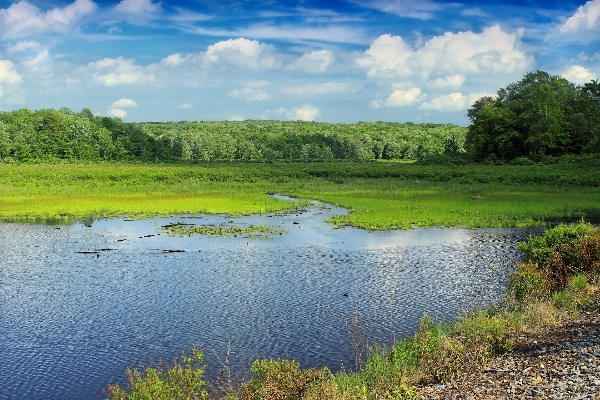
pixel 539 116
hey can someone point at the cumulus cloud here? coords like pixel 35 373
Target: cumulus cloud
pixel 252 91
pixel 491 52
pixel 585 19
pixel 401 98
pixel 314 62
pixel 306 112
pixel 322 88
pixel 119 71
pixel 124 103
pixel 8 73
pixel 116 112
pixel 236 118
pixel 25 19
pixel 578 74
pixel 241 52
pixel 448 102
pixel 185 106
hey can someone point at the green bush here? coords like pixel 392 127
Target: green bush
pixel 564 251
pixel 281 380
pixel 178 382
pixel 528 283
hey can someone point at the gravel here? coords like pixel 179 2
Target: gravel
pixel 562 362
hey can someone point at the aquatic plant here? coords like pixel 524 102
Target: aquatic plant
pixel 250 231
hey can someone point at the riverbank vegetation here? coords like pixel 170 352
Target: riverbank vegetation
pixel 380 195
pixel 555 282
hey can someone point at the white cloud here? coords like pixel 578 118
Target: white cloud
pixel 252 91
pixel 491 52
pixel 38 64
pixel 116 112
pixel 585 19
pixel 185 106
pixel 448 102
pixel 119 71
pixel 241 52
pixel 137 7
pixel 578 74
pixel 452 82
pixel 420 9
pixel 250 94
pixel 315 62
pixel 174 60
pixel 306 112
pixel 8 73
pixel 294 33
pixel 24 46
pixel 387 55
pixel 401 98
pixel 322 88
pixel 25 19
pixel 236 118
pixel 17 99
pixel 124 103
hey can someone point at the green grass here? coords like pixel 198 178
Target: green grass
pixel 379 195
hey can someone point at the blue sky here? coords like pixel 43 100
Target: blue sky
pixel 333 61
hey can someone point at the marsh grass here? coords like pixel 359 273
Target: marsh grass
pixel 380 196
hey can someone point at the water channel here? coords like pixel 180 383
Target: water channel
pixel 74 315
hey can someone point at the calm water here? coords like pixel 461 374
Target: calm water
pixel 70 323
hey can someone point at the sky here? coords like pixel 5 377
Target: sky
pixel 330 61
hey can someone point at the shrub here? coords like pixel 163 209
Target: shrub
pixel 564 251
pixel 528 283
pixel 178 382
pixel 281 380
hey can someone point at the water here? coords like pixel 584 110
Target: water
pixel 70 323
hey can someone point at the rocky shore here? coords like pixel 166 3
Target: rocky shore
pixel 561 362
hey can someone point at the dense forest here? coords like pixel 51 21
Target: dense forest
pixel 537 117
pixel 47 135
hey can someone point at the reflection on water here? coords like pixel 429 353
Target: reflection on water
pixel 70 323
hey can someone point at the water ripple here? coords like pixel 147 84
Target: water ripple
pixel 71 323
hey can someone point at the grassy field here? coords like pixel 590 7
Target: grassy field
pixel 380 195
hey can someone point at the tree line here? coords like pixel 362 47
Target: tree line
pixel 538 117
pixel 46 135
